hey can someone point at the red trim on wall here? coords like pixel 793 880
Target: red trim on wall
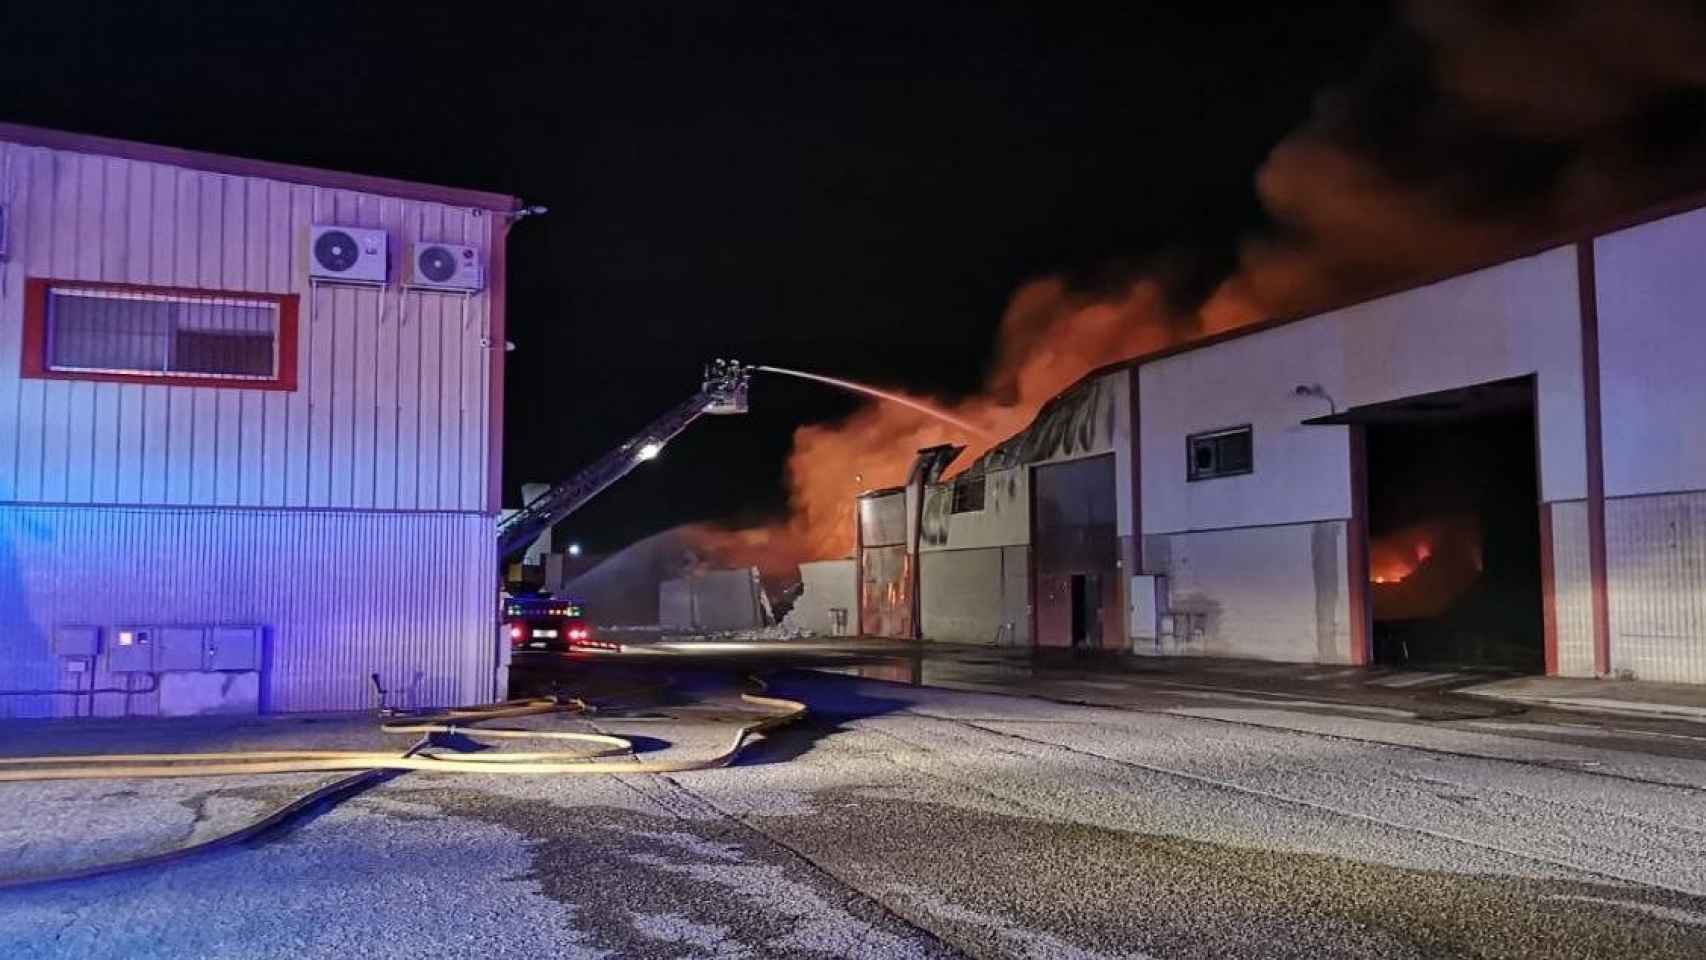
pixel 498 346
pixel 1586 284
pixel 1548 593
pixel 1136 475
pixel 242 167
pixel 1356 550
pixel 33 352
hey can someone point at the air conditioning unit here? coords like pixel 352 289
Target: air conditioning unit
pixel 445 266
pixel 347 254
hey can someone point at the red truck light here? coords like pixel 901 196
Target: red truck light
pixel 579 633
pixel 516 634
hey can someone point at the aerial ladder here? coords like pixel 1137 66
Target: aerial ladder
pixel 722 392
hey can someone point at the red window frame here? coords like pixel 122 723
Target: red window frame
pixel 34 362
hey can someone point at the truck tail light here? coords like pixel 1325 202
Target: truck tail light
pixel 516 634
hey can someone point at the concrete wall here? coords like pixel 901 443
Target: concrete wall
pixel 341 594
pixel 829 585
pixel 977 596
pixel 1272 593
pixel 712 600
pixel 1572 588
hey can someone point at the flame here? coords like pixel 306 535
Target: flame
pixel 1424 566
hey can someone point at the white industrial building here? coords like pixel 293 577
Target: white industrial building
pixel 1506 467
pixel 250 432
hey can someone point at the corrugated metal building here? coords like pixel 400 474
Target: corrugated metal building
pixel 195 433
pixel 1503 468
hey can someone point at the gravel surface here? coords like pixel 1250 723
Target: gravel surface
pixel 906 822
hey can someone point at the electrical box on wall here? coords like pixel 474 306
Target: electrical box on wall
pixel 1148 600
pixel 234 648
pixel 179 648
pixel 72 641
pixel 132 650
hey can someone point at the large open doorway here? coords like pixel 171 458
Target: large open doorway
pixel 1075 553
pixel 1453 526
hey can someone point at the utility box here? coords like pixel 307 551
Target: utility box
pixel 132 650
pixel 234 648
pixel 69 641
pixel 1148 601
pixel 179 648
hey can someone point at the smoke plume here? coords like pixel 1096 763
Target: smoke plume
pixel 1477 129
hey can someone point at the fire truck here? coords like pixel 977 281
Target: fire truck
pixel 536 622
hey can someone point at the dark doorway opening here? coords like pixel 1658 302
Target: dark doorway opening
pixel 1454 529
pixel 1086 610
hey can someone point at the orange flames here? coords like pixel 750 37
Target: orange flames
pixel 1049 338
pixel 1420 569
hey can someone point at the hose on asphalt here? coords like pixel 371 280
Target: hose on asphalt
pixel 609 755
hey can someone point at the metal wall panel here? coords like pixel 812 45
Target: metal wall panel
pixel 886 594
pixel 1655 551
pixel 1572 588
pixel 882 518
pixel 391 409
pixel 343 594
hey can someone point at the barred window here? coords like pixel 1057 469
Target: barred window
pixel 112 331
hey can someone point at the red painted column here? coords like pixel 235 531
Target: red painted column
pixel 1356 550
pixel 1587 288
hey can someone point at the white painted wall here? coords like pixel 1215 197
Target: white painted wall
pixel 1511 320
pixel 1301 473
pixel 1651 281
pixel 1267 593
pixel 391 408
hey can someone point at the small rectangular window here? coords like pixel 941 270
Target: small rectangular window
pixel 968 494
pixel 105 331
pixel 1219 453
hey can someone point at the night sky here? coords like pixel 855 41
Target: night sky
pixel 855 189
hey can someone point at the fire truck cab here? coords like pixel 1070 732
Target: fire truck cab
pixel 541 623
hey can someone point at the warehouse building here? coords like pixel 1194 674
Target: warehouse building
pixel 1503 468
pixel 1023 547
pixel 250 433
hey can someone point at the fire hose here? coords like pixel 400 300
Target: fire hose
pixel 608 754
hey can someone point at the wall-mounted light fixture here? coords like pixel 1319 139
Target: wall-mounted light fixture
pixel 1317 391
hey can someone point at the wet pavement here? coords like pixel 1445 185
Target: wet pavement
pixel 1203 816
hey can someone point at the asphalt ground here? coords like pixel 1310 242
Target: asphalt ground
pixel 900 821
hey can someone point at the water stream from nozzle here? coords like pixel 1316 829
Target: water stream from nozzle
pixel 904 401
